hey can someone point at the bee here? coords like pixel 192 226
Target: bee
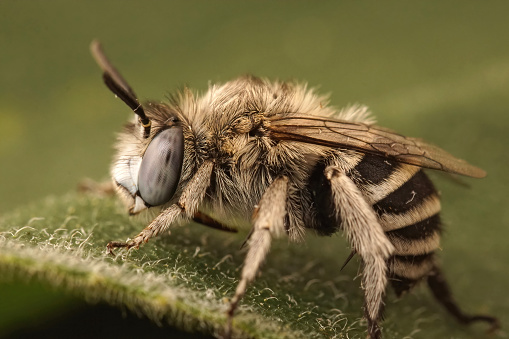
pixel 277 154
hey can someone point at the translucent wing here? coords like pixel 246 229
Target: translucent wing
pixel 368 139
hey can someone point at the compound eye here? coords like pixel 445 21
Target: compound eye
pixel 160 167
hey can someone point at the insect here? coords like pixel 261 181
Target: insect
pixel 277 154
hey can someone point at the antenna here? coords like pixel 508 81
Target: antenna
pixel 116 83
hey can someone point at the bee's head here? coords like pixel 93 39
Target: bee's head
pixel 149 159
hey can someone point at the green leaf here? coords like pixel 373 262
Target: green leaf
pixel 185 279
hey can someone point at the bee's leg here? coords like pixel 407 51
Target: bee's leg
pixel 206 220
pixel 158 225
pixel 268 221
pixel 367 238
pixel 186 207
pixel 442 293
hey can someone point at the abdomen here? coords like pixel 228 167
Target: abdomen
pixel 407 205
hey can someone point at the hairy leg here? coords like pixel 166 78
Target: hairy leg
pixel 268 221
pixel 365 234
pixel 186 207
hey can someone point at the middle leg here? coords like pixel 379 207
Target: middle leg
pixel 268 221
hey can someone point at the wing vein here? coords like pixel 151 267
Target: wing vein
pixel 358 136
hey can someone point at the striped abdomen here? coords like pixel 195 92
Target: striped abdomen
pixel 407 206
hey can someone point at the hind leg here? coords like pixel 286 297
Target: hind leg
pixel 367 238
pixel 442 293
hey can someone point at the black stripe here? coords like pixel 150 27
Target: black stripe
pixel 418 231
pixel 410 195
pixel 375 169
pixel 401 284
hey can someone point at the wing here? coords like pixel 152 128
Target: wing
pixel 368 139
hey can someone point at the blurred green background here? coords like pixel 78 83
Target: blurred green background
pixel 436 70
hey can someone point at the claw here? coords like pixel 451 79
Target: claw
pixel 109 250
pixel 119 244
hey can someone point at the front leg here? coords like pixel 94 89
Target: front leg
pixel 186 207
pixel 268 221
pixel 367 238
